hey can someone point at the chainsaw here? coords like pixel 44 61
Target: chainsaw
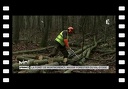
pixel 72 54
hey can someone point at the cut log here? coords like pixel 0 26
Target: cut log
pixel 85 54
pixel 35 70
pixel 77 58
pixel 40 57
pixel 81 61
pixel 21 58
pixel 40 50
pixel 58 59
pixel 15 66
pixel 28 56
pixel 88 52
pixel 74 59
pixel 79 51
pixel 84 48
pixel 31 62
pixel 52 64
pixel 40 62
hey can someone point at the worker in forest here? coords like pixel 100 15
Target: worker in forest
pixel 62 44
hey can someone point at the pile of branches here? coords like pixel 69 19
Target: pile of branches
pixel 41 60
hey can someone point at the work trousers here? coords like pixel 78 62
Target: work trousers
pixel 58 47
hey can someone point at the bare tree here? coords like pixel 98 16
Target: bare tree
pixel 16 29
pixel 47 27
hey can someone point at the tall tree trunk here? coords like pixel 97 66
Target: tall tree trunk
pixel 63 22
pixel 47 23
pixel 16 29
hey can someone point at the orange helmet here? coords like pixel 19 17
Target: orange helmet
pixel 70 28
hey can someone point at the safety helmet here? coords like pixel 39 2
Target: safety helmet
pixel 70 28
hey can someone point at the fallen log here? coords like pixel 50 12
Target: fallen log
pixel 28 56
pixel 80 58
pixel 88 53
pixel 15 66
pixel 40 62
pixel 58 59
pixel 40 50
pixel 79 51
pixel 87 56
pixel 108 53
pixel 102 50
pixel 74 44
pixel 84 48
pixel 33 62
pixel 77 58
pixel 38 70
pixel 21 58
pixel 52 64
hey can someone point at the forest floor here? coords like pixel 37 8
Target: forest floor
pixel 107 60
pixel 98 58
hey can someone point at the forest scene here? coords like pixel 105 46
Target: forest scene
pixel 93 42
